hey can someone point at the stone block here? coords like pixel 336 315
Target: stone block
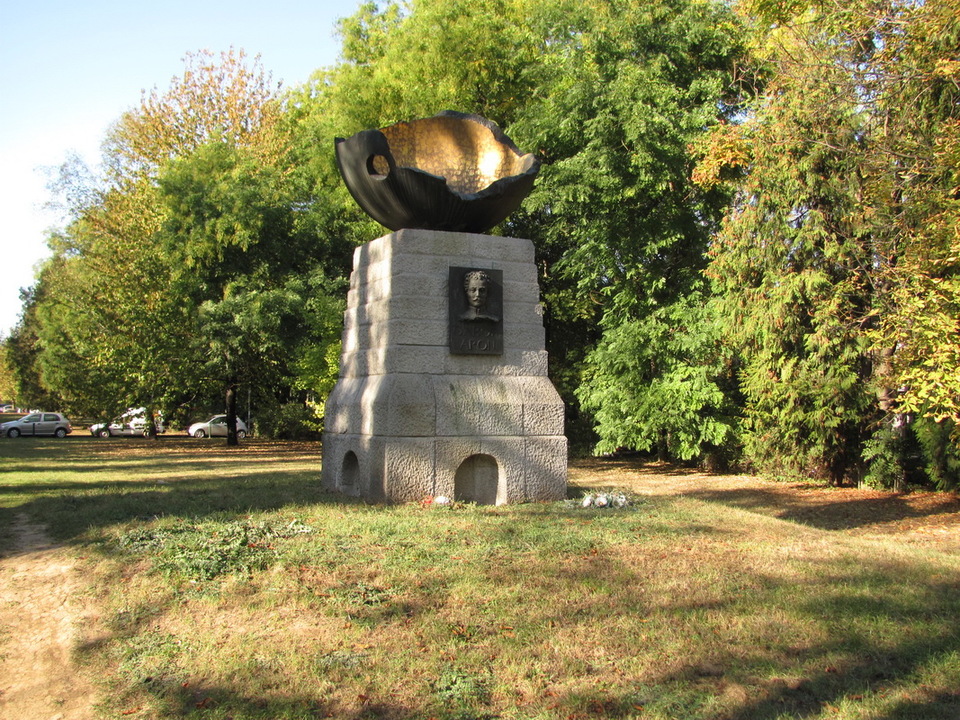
pixel 409 468
pixel 509 454
pixel 545 460
pixel 524 336
pixel 347 464
pixel 499 408
pixel 543 411
pixel 450 454
pixel 456 398
pixel 411 409
pixel 409 418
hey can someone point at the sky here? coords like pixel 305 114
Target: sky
pixel 68 70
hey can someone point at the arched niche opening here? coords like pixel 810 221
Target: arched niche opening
pixel 477 480
pixel 349 472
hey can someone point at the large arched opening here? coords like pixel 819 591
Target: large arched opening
pixel 477 480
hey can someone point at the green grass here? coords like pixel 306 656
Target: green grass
pixel 230 586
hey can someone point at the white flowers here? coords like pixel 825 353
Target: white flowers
pixel 605 499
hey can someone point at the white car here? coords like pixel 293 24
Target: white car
pixel 132 422
pixel 37 423
pixel 215 427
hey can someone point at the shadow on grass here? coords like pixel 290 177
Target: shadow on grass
pixel 183 478
pixel 202 701
pixel 881 627
pixel 843 514
pixel 874 635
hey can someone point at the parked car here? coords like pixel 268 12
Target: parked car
pixel 132 422
pixel 215 427
pixel 37 423
pixel 7 408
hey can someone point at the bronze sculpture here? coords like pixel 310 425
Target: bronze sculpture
pixel 453 171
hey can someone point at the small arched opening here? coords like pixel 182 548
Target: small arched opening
pixel 477 480
pixel 349 472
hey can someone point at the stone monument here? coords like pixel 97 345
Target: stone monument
pixel 443 386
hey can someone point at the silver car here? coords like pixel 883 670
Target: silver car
pixel 216 427
pixel 37 423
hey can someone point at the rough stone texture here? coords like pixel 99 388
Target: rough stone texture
pixel 407 418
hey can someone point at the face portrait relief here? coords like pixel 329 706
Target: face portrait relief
pixel 475 311
pixel 476 285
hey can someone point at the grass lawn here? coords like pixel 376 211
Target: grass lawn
pixel 229 585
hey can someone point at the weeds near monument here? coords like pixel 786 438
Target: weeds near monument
pixel 205 550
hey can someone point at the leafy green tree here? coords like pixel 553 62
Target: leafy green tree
pixel 626 89
pixel 672 370
pixel 220 97
pixel 160 283
pixel 609 94
pixel 828 260
pixel 22 351
pixel 229 234
pixel 8 385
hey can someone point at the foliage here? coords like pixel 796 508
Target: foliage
pixel 23 353
pixel 187 269
pixel 462 692
pixel 938 440
pixel 818 264
pixel 884 454
pixel 217 98
pixel 8 386
pixel 609 95
pixel 659 384
pixel 207 550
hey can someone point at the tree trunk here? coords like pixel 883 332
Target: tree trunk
pixel 152 424
pixel 232 414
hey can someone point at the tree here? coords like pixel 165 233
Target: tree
pixel 217 97
pixel 8 384
pixel 229 234
pixel 22 352
pixel 195 225
pixel 670 370
pixel 609 94
pixel 625 90
pixel 837 226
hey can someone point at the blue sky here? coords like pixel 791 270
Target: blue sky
pixel 69 69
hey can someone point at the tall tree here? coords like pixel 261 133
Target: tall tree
pixel 237 260
pixel 841 204
pixel 196 212
pixel 609 94
pixel 625 89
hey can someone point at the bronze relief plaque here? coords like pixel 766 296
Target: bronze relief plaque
pixel 476 311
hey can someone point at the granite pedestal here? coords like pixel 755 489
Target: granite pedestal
pixel 427 404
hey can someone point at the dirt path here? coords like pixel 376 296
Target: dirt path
pixel 40 611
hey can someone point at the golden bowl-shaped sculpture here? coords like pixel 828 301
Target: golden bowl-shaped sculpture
pixel 453 171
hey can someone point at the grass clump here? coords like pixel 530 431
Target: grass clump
pixel 205 550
